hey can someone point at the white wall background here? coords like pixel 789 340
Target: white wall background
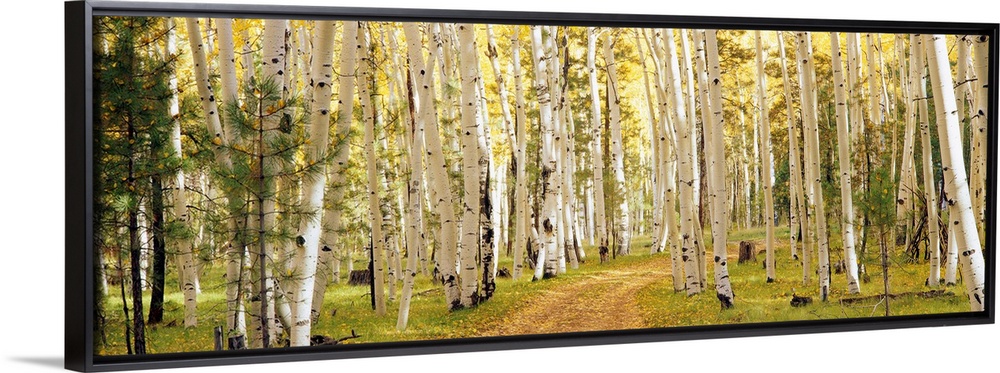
pixel 32 239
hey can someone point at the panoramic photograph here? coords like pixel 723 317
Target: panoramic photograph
pixel 270 183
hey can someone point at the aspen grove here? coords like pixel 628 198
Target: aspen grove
pixel 287 183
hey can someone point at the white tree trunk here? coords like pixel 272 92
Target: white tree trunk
pixel 686 252
pixel 601 225
pixel 708 123
pixel 723 289
pixel 442 200
pixel 807 76
pixel 545 265
pixel 657 163
pixel 211 110
pixel 672 232
pixel 331 239
pixel 555 89
pixel 918 82
pixel 843 152
pixel 415 192
pixel 266 289
pixel 980 126
pixel 472 164
pixel 765 145
pixel 953 164
pixel 624 235
pixel 797 211
pixel 235 318
pixel 521 189
pixel 951 259
pixel 306 254
pixel 907 178
pixel 366 81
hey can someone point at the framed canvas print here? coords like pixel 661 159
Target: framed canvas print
pixel 266 183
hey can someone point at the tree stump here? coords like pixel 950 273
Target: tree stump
pixel 798 301
pixel 360 277
pixel 747 252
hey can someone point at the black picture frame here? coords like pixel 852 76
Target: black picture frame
pixel 79 222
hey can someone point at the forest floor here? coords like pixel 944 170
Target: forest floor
pixel 628 292
pixel 601 300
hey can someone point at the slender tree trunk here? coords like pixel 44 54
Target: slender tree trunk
pixel 919 84
pixel 415 188
pixel 686 252
pixel 807 75
pixel 221 142
pixel 134 252
pixel 723 289
pixel 808 234
pixel 306 253
pixel 556 92
pixel 159 256
pixel 953 164
pixel 708 123
pixel 765 145
pixel 521 189
pixel 624 237
pixel 843 151
pixel 689 93
pixel 598 148
pixel 657 164
pixel 235 315
pixel 366 84
pixel 442 200
pixel 545 265
pixel 980 126
pixel 471 167
pixel 331 238
pixel 797 210
pixel 672 232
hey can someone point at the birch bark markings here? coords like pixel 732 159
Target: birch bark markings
pixel 953 165
pixel 345 114
pixel 624 234
pixel 415 191
pixel 708 122
pixel 686 165
pixel 211 110
pixel 765 145
pixel 443 199
pixel 365 83
pixel 307 254
pixel 919 84
pixel 235 251
pixel 843 152
pixel 723 288
pixel 471 166
pixel 807 76
pixel 521 189
pixel 547 251
pixel 598 148
pixel 797 212
pixel 980 126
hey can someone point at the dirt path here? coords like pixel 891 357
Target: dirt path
pixel 601 300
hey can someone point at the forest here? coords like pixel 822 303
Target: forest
pixel 267 183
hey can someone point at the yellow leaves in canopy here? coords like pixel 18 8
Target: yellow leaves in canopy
pixel 217 140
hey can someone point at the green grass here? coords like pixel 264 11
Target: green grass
pixel 756 300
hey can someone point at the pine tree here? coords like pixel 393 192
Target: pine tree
pixel 132 130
